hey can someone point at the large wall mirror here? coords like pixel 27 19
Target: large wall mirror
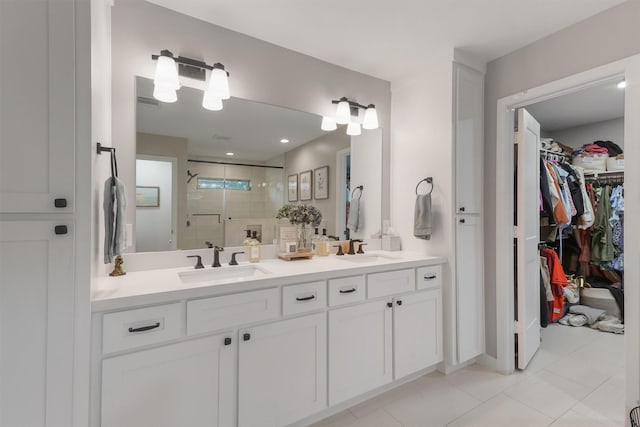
pixel 208 175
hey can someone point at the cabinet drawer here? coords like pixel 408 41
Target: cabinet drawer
pixel 304 298
pixel 144 326
pixel 212 314
pixel 429 277
pixel 390 283
pixel 346 290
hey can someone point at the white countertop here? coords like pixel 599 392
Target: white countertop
pixel 157 286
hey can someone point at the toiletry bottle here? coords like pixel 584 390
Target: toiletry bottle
pixel 246 244
pixel 314 241
pixel 254 252
pixel 323 244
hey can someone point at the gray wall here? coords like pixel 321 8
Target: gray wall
pixel 259 71
pixel 576 137
pixel 601 39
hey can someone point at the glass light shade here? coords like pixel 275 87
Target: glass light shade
pixel 166 73
pixel 622 84
pixel 343 113
pixel 353 129
pixel 164 93
pixel 211 101
pixel 328 124
pixel 219 84
pixel 370 120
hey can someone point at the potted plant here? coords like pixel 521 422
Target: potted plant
pixel 301 216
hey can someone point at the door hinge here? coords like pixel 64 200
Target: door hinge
pixel 516 329
pixel 515 231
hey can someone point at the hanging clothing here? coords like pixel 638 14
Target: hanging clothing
pixel 601 240
pixel 544 191
pixel 558 282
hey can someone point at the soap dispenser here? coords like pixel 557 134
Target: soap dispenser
pixel 246 244
pixel 315 240
pixel 254 248
pixel 323 244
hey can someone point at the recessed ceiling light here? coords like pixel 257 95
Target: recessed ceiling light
pixel 622 84
pixel 284 140
pixel 229 153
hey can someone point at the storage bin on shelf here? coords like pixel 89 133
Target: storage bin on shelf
pixel 615 163
pixel 591 161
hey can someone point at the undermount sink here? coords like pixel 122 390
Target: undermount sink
pixel 366 258
pixel 227 273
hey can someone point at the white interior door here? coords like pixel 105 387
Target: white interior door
pixel 155 225
pixel 527 235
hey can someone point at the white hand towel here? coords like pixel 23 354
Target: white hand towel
pixel 422 219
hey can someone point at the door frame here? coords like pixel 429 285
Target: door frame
pixel 630 69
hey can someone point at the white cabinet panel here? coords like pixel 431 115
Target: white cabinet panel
pixel 37 117
pixel 185 384
pixel 282 371
pixel 36 324
pixel 470 294
pixel 360 349
pixel 346 290
pixel 468 127
pixel 391 283
pixel 417 332
pixel 304 298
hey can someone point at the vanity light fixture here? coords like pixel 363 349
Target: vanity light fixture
pixel 284 140
pixel 347 112
pixel 622 84
pixel 229 153
pixel 166 81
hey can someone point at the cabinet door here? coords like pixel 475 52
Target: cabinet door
pixel 37 116
pixel 359 349
pixel 36 323
pixel 468 135
pixel 469 285
pixel 185 384
pixel 417 332
pixel 282 371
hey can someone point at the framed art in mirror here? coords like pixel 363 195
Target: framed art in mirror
pixel 292 187
pixel 147 197
pixel 305 185
pixel 321 183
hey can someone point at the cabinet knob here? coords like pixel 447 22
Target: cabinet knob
pixel 60 229
pixel 461 208
pixel 227 341
pixel 60 203
pixel 399 302
pixel 246 336
pixel 462 221
pixel 389 304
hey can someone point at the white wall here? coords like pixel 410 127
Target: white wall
pixel 259 71
pixel 601 39
pixel 576 137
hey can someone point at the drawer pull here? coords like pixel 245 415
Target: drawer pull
pixel 246 336
pixel 348 291
pixel 399 302
pixel 60 203
pixel 227 341
pixel 431 277
pixel 144 328
pixel 309 298
pixel 389 304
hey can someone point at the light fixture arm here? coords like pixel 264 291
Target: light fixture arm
pixel 189 67
pixel 352 104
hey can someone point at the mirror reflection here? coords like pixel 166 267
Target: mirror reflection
pixel 206 176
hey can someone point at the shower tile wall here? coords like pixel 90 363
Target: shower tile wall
pixel 207 209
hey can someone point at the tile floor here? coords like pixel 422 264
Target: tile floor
pixel 575 380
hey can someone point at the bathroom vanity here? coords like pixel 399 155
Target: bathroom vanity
pixel 270 344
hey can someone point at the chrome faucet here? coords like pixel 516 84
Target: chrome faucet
pixel 216 256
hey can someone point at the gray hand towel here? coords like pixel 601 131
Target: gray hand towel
pixel 354 214
pixel 115 229
pixel 422 219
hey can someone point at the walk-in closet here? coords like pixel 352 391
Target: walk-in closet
pixel 569 228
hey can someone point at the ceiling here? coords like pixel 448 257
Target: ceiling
pixel 392 39
pixel 591 105
pixel 251 130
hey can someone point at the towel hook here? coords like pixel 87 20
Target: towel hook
pixel 359 187
pixel 428 180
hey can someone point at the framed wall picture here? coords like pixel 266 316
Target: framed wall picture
pixel 292 188
pixel 305 185
pixel 321 183
pixel 147 197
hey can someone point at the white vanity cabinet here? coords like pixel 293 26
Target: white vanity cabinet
pixel 282 371
pixel 188 384
pixel 268 356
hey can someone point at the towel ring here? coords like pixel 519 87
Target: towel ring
pixel 359 187
pixel 428 180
